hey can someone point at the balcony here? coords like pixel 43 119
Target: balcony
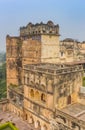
pixel 16 88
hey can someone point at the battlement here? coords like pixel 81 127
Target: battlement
pixel 39 28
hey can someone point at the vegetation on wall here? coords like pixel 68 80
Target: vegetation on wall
pixel 83 82
pixel 2 76
pixel 2 57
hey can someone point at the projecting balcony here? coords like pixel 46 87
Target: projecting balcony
pixel 18 89
pixel 16 99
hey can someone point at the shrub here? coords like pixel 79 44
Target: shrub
pixel 8 124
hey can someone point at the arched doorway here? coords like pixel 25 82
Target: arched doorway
pixel 37 125
pixel 69 99
pixel 31 120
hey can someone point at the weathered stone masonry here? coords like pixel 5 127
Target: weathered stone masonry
pixel 44 78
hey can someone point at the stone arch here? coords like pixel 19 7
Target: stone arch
pixel 45 127
pixel 37 124
pixel 43 97
pixel 37 95
pixel 32 93
pixel 31 120
pixel 43 86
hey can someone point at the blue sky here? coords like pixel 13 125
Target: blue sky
pixel 69 14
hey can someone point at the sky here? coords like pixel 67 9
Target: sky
pixel 69 14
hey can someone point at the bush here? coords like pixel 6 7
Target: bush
pixel 8 124
pixel 83 82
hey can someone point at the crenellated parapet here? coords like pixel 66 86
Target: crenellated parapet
pixel 40 28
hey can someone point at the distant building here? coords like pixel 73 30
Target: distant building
pixel 44 78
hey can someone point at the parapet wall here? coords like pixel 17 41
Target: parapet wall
pixel 40 28
pixel 4 104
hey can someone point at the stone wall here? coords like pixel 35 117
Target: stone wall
pixel 50 49
pixel 11 59
pixel 4 105
pixel 39 28
pixel 31 51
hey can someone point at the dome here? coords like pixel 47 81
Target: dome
pixel 50 23
pixel 29 24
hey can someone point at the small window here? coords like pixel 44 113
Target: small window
pixel 43 97
pixel 32 93
pixel 62 54
pixel 69 99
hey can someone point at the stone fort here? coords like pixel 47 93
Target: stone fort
pixel 44 78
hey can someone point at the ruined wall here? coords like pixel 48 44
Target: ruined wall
pixel 71 51
pixel 11 59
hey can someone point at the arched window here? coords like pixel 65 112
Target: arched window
pixel 37 97
pixel 43 97
pixel 37 124
pixel 31 120
pixel 32 93
pixel 62 54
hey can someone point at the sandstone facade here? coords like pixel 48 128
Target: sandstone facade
pixel 44 76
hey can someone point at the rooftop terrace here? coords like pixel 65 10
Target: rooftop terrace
pixel 53 69
pixel 76 110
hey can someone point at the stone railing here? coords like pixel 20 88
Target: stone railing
pixel 17 88
pixel 4 104
pixel 52 70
